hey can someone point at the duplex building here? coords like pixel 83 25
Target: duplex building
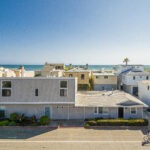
pixel 58 98
pixel 105 81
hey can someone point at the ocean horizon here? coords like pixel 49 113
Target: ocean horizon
pixel 39 67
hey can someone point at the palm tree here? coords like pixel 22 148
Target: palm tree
pixel 126 60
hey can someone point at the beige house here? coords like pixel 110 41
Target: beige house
pixel 52 70
pixel 105 81
pixel 81 74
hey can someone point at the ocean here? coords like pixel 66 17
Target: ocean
pixel 39 67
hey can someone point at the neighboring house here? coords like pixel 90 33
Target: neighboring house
pixel 144 91
pixel 82 75
pixel 105 81
pixel 58 98
pixel 128 78
pixel 53 70
pixel 4 72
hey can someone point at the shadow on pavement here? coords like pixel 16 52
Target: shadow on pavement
pixel 23 132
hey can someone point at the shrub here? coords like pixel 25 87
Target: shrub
pixel 83 87
pixel 86 125
pixel 92 122
pixel 118 122
pixel 12 123
pixel 44 120
pixel 14 117
pixel 4 123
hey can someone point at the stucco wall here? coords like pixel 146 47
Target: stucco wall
pixel 144 93
pixel 99 79
pixel 78 75
pixel 108 87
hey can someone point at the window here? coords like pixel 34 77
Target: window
pixel 36 92
pixel 133 110
pixel 105 77
pixel 101 110
pixel 70 75
pixel 63 88
pixel 6 84
pixel 147 87
pixel 133 77
pixel 82 76
pixel 6 88
pixel 147 77
pixel 96 77
pixel 63 84
pixel 95 110
pixel 63 92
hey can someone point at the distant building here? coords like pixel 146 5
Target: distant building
pixel 129 76
pixel 105 81
pixel 82 75
pixel 4 72
pixel 144 91
pixel 53 70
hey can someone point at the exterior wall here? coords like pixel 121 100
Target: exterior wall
pixel 128 88
pixel 108 87
pixel 128 115
pixel 128 79
pixel 67 111
pixel 144 93
pixel 99 79
pixel 78 75
pixel 23 90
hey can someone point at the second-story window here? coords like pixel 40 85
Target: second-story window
pixel 36 92
pixel 63 88
pixel 148 87
pixel 133 77
pixel 105 77
pixel 70 75
pixel 82 76
pixel 6 88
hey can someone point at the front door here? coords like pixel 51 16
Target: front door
pixel 120 112
pixel 47 112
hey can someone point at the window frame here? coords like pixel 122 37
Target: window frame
pixel 63 88
pixel 82 76
pixel 106 77
pixel 6 88
pixel 97 112
pixel 131 111
pixel 36 92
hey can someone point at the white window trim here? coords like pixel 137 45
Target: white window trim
pixel 63 88
pixel 102 111
pixel 135 110
pixel 7 87
pixel 3 88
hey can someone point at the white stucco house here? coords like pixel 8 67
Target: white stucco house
pixel 144 91
pixel 58 99
pixel 128 79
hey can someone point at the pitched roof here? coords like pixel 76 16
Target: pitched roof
pixel 107 99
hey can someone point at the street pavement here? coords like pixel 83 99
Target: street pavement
pixel 45 138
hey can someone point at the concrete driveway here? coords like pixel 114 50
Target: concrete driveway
pixel 46 138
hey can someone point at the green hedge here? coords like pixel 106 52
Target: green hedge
pixel 4 123
pixel 117 122
pixel 44 120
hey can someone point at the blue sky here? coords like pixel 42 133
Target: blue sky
pixel 74 31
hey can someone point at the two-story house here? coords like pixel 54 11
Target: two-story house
pixel 58 98
pixel 105 81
